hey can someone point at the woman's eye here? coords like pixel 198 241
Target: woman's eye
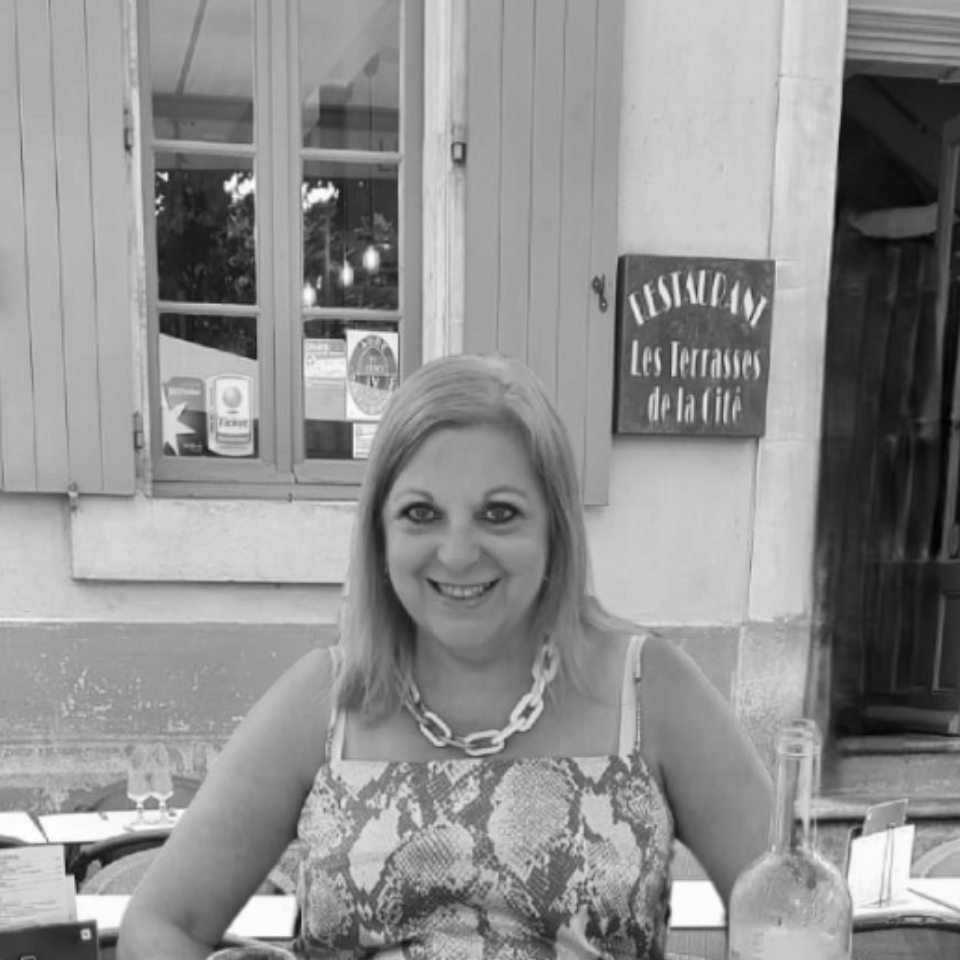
pixel 419 513
pixel 500 513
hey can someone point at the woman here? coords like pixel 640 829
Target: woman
pixel 488 764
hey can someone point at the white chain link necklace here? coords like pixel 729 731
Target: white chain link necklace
pixel 483 743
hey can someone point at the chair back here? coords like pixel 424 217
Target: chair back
pixel 107 940
pixel 104 853
pixel 906 937
pixel 941 861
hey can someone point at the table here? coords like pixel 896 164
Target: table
pixel 262 918
pixel 72 828
pixel 696 905
pixel 21 825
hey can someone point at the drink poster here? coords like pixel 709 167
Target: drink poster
pixel 693 345
pixel 373 372
pixel 230 415
pixel 184 417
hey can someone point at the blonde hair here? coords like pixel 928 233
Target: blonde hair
pixel 460 392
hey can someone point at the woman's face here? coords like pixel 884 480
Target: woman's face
pixel 466 531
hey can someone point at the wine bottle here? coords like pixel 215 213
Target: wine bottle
pixel 792 903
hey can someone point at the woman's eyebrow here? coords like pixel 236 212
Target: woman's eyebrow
pixel 515 491
pixel 410 492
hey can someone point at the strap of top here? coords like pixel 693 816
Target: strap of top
pixel 630 714
pixel 337 722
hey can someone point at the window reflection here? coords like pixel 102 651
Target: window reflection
pixel 350 256
pixel 205 217
pixel 201 66
pixel 350 74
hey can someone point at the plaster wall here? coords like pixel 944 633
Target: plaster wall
pixel 729 120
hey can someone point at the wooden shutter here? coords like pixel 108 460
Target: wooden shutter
pixel 543 118
pixel 66 366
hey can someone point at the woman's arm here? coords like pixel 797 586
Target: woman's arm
pixel 238 824
pixel 717 786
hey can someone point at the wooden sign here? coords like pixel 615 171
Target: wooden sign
pixel 693 345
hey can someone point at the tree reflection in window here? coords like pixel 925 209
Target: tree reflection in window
pixel 206 247
pixel 343 220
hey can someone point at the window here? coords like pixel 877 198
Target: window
pixel 282 153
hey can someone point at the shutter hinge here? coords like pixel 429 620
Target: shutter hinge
pixel 73 497
pixel 127 129
pixel 137 430
pixel 458 152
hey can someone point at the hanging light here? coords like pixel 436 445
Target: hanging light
pixel 371 259
pixel 309 295
pixel 346 274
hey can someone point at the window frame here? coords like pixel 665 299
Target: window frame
pixel 280 469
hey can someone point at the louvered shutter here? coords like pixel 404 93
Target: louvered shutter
pixel 66 366
pixel 543 118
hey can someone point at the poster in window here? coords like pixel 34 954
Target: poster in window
pixel 373 372
pixel 363 439
pixel 230 415
pixel 324 379
pixel 184 413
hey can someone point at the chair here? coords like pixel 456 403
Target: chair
pixel 107 941
pixel 941 861
pixel 906 937
pixel 109 857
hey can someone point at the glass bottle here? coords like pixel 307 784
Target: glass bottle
pixel 791 903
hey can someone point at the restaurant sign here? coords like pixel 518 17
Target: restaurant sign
pixel 693 345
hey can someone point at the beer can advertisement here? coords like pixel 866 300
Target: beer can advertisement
pixel 230 415
pixel 373 372
pixel 184 417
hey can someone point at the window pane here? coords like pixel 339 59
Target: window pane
pixel 201 67
pixel 350 235
pixel 210 383
pixel 350 369
pixel 205 212
pixel 350 74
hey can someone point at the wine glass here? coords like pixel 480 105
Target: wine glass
pixel 161 780
pixel 138 781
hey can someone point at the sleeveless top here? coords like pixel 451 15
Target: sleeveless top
pixel 486 857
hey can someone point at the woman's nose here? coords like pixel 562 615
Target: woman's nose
pixel 458 549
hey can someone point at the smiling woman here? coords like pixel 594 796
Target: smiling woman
pixel 488 762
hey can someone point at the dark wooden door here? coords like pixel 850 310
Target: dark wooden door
pixel 890 501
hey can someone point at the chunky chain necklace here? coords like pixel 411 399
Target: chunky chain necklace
pixel 485 742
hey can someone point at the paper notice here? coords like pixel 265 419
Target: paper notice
pixel 879 866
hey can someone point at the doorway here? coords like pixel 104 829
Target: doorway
pixel 888 549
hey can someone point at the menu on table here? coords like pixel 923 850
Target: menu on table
pixel 34 886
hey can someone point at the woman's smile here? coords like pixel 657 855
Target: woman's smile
pixel 462 592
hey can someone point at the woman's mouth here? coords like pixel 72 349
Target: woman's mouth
pixel 458 591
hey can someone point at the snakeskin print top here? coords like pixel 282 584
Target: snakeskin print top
pixel 548 857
